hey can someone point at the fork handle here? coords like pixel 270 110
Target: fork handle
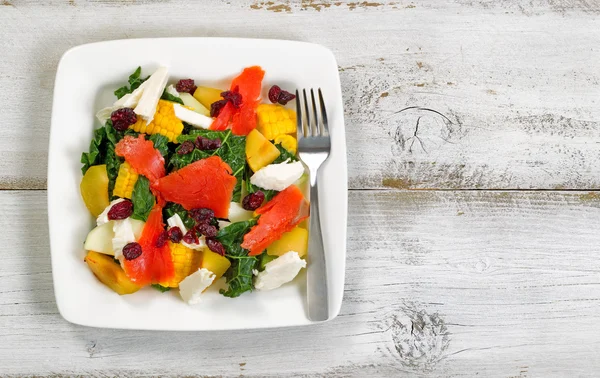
pixel 316 275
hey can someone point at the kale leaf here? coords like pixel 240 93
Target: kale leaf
pixel 284 155
pixel 102 151
pixel 112 161
pixel 161 288
pixel 179 161
pixel 174 208
pixel 97 150
pixel 169 97
pixel 134 83
pixel 142 198
pixel 160 143
pixel 264 260
pixel 239 275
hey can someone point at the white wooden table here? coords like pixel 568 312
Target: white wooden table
pixel 473 237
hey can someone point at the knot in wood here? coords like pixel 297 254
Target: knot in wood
pixel 421 339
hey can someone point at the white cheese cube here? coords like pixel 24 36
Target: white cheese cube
pixel 279 271
pixel 155 86
pixel 277 176
pixel 192 286
pixel 123 235
pixel 193 118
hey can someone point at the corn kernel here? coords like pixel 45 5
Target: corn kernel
pixel 165 122
pixel 185 261
pixel 125 182
pixel 275 120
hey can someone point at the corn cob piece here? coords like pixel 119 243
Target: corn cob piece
pixel 288 142
pixel 165 122
pixel 275 120
pixel 125 182
pixel 185 261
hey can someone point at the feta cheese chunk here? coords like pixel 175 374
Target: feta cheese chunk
pixel 155 86
pixel 103 217
pixel 123 236
pixel 172 91
pixel 130 100
pixel 193 118
pixel 277 176
pixel 238 214
pixel 175 221
pixel 192 286
pixel 279 271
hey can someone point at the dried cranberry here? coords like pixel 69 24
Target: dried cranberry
pixel 132 251
pixel 216 107
pixel 215 246
pixel 204 144
pixel 202 215
pixel 123 118
pixel 274 94
pixel 253 200
pixel 175 234
pixel 234 96
pixel 162 239
pixel 186 86
pixel 190 237
pixel 206 229
pixel 185 148
pixel 120 210
pixel 285 97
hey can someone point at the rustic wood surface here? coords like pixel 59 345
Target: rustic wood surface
pixel 476 101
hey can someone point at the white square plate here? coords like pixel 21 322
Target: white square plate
pixel 86 77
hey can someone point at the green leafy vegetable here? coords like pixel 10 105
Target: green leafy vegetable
pixel 210 134
pixel 174 208
pixel 232 151
pixel 169 97
pixel 264 260
pixel 179 161
pixel 239 274
pixel 284 155
pixel 122 91
pixel 160 143
pixel 97 149
pixel 161 288
pixel 142 199
pixel 134 83
pixel 112 161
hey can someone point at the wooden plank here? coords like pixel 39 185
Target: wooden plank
pixel 514 83
pixel 438 284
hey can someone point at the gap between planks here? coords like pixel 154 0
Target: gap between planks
pixel 5 189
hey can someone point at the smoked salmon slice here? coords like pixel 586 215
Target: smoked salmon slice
pixel 142 156
pixel 281 214
pixel 206 183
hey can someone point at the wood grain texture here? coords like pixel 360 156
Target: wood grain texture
pixel 514 82
pixel 460 94
pixel 439 284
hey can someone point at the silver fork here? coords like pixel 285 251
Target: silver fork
pixel 314 145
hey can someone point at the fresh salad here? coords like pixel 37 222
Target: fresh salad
pixel 189 184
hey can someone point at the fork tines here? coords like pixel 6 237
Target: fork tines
pixel 312 121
